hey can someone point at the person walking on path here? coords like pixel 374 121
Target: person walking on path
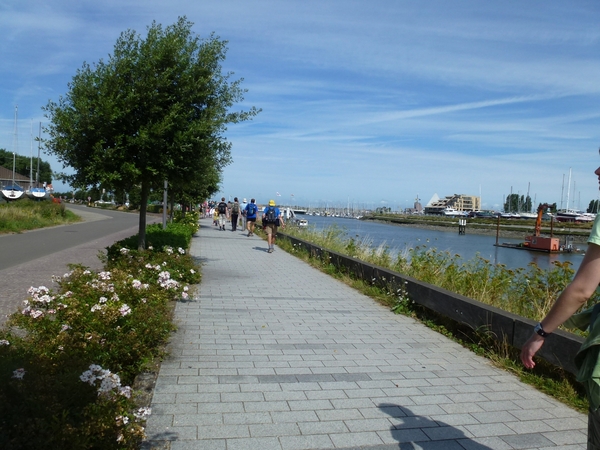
pixel 272 219
pixel 223 211
pixel 251 210
pixel 243 214
pixel 575 295
pixel 235 213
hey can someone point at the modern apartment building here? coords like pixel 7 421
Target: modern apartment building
pixel 459 202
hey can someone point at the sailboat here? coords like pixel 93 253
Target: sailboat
pixel 37 192
pixel 528 215
pixel 13 191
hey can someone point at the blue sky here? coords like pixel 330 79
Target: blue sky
pixel 371 103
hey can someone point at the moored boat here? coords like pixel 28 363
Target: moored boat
pixel 451 212
pixel 302 223
pixel 37 193
pixel 12 192
pixel 571 215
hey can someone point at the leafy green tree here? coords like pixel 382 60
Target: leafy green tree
pixel 594 206
pixel 23 164
pixel 156 110
pixel 516 203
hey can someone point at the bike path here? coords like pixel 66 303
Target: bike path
pixel 32 258
pixel 273 354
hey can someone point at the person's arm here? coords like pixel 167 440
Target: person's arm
pixel 576 294
pixel 281 220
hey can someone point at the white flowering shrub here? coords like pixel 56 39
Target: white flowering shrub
pixel 66 382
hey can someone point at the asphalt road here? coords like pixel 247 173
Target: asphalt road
pixel 33 257
pixel 17 249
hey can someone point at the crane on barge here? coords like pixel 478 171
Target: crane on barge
pixel 538 242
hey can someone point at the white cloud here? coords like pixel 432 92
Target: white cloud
pixel 359 100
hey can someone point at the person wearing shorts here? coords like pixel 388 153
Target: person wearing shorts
pixel 251 210
pixel 223 211
pixel 272 219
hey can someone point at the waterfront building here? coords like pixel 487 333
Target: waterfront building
pixel 457 202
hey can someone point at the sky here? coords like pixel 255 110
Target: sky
pixel 363 103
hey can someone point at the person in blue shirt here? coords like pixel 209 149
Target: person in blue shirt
pixel 272 219
pixel 251 209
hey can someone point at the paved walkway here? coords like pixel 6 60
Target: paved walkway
pixel 273 354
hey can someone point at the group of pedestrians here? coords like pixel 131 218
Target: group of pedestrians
pixel 247 213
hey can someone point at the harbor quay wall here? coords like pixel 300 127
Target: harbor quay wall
pixel 559 349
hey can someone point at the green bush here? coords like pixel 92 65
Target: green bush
pixel 176 235
pixel 65 377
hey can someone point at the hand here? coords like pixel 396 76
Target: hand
pixel 530 348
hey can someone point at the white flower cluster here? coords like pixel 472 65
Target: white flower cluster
pixel 101 286
pixel 125 310
pixel 142 413
pixel 165 281
pixel 124 251
pixel 102 302
pixel 104 275
pixel 137 284
pixel 40 295
pixel 4 342
pixel 181 251
pixel 168 250
pixel 19 374
pixel 110 383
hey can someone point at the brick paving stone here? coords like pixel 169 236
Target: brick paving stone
pixel 273 354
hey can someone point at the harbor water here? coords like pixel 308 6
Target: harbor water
pixel 468 246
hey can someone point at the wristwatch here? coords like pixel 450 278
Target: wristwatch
pixel 539 330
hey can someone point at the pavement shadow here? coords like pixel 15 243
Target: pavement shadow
pixel 417 432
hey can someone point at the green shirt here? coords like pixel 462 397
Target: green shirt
pixel 587 358
pixel 595 234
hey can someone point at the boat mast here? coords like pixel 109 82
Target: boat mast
pixel 568 188
pixel 562 192
pixel 37 171
pixel 31 157
pixel 15 147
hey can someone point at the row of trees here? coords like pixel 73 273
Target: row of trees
pixel 27 166
pixel 516 203
pixel 156 110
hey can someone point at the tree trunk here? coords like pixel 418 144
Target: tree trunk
pixel 142 223
pixel 172 204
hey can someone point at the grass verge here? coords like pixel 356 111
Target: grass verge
pixel 26 214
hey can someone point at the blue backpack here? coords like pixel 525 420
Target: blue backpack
pixel 251 209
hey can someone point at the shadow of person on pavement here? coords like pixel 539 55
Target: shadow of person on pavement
pixel 418 432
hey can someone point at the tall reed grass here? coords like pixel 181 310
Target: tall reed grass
pixel 528 292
